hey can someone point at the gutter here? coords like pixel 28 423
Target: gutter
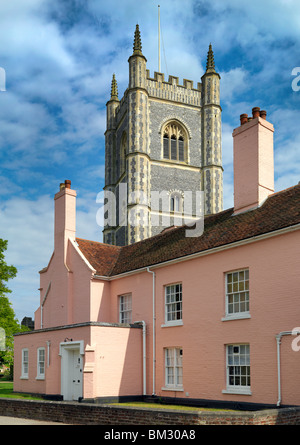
pixel 278 340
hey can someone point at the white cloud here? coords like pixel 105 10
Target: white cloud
pixel 233 82
pixel 28 227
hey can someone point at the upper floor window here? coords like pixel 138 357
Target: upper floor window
pixel 175 143
pixel 173 304
pixel 125 311
pixel 237 293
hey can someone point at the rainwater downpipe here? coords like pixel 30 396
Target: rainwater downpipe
pixel 278 339
pixel 144 354
pixel 154 319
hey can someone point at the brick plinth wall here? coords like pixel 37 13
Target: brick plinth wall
pixel 94 414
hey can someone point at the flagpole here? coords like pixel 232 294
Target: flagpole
pixel 159 39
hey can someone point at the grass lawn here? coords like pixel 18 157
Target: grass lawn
pixel 6 390
pixel 162 406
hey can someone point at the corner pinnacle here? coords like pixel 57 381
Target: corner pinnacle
pixel 210 64
pixel 114 89
pixel 137 45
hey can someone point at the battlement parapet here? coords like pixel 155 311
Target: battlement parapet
pixel 172 90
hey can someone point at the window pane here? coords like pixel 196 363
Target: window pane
pixel 173 149
pixel 181 149
pixel 172 204
pixel 166 147
pixel 176 204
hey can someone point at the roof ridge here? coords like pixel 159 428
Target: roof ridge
pixel 98 242
pixel 284 190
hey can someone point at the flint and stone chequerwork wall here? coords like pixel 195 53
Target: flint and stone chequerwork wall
pixel 136 164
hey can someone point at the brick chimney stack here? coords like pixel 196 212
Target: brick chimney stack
pixel 253 160
pixel 65 218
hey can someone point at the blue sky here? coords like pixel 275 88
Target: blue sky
pixel 59 57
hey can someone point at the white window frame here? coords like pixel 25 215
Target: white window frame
pixel 173 369
pixel 238 370
pixel 237 295
pixel 125 309
pixel 173 307
pixel 41 364
pixel 25 364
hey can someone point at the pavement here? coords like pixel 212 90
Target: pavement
pixel 5 420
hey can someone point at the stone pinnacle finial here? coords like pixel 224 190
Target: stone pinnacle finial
pixel 210 64
pixel 114 88
pixel 137 45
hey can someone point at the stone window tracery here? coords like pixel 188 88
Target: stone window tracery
pixel 175 142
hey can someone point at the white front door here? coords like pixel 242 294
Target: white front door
pixel 71 370
pixel 76 374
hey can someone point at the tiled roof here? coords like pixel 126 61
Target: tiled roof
pixel 279 211
pixel 102 257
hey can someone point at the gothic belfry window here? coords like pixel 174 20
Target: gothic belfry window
pixel 174 143
pixel 176 202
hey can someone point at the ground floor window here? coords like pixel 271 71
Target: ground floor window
pixel 238 367
pixel 41 363
pixel 25 363
pixel 173 367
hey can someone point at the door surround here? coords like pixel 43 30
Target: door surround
pixel 65 349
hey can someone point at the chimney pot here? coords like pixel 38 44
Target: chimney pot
pixel 244 118
pixel 61 186
pixel 67 184
pixel 263 114
pixel 255 112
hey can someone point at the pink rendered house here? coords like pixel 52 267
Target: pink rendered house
pixel 210 320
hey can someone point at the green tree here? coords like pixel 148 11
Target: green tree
pixel 8 321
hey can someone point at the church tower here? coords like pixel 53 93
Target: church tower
pixel 162 148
